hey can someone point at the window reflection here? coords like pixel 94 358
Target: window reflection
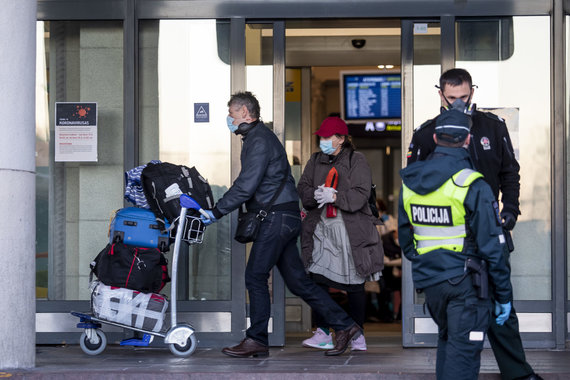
pixel 185 63
pixel 77 61
pixel 518 88
pixel 485 40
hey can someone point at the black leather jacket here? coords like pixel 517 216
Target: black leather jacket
pixel 264 164
pixel 491 153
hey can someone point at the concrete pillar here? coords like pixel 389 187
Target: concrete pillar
pixel 17 183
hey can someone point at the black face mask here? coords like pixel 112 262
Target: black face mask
pixel 460 105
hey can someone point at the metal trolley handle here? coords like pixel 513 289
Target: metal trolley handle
pixel 194 235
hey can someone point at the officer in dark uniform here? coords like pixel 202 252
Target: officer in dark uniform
pixel 448 223
pixel 492 154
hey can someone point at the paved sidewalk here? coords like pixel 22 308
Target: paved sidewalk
pixel 385 359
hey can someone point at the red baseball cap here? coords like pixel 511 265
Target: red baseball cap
pixel 332 125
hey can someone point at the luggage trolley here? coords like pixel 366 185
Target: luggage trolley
pixel 180 337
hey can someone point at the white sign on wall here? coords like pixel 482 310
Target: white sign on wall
pixel 75 131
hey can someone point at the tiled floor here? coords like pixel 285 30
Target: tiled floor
pixel 385 359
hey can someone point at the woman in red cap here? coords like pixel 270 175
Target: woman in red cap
pixel 340 246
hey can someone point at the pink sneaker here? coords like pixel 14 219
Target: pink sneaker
pixel 320 339
pixel 358 344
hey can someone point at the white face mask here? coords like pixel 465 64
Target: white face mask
pixel 230 121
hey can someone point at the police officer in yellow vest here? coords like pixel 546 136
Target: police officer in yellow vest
pixel 449 228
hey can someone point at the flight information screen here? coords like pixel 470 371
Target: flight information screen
pixel 372 96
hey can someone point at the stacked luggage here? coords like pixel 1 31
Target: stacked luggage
pixel 132 269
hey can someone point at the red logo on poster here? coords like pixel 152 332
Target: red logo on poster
pixel 81 111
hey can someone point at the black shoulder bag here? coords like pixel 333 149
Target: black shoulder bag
pixel 249 222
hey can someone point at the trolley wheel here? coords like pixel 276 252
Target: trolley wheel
pixel 186 350
pixel 93 348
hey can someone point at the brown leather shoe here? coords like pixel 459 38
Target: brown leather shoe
pixel 343 338
pixel 246 348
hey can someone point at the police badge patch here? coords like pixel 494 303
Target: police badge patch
pixel 486 143
pixel 431 215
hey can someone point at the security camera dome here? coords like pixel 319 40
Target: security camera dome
pixel 358 43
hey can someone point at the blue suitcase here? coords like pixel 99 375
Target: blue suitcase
pixel 138 227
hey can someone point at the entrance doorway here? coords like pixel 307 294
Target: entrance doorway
pixel 351 69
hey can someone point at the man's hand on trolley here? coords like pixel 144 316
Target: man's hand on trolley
pixel 208 220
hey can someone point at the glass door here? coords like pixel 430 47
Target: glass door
pixel 184 86
pixel 79 172
pixel 509 59
pixel 188 70
pixel 185 73
pixel 507 63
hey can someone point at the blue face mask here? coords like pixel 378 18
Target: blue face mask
pixel 231 126
pixel 327 147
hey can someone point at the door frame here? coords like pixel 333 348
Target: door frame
pixel 131 11
pixel 558 306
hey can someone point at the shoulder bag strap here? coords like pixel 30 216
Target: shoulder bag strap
pixel 262 213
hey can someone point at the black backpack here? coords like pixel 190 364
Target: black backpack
pixel 163 183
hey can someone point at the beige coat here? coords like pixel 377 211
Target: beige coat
pixel 354 184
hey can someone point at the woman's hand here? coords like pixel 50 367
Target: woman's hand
pixel 325 195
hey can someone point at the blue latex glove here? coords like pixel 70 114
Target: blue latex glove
pixel 502 311
pixel 211 218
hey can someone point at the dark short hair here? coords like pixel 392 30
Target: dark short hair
pixel 248 100
pixel 444 140
pixel 455 77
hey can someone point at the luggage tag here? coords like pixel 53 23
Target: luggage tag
pixel 331 181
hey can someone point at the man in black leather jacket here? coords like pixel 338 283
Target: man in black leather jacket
pixel 492 154
pixel 264 171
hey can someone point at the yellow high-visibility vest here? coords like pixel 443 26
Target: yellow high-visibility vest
pixel 438 218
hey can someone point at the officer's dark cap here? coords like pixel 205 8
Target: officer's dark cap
pixel 452 126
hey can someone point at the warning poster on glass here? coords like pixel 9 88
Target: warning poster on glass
pixel 76 131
